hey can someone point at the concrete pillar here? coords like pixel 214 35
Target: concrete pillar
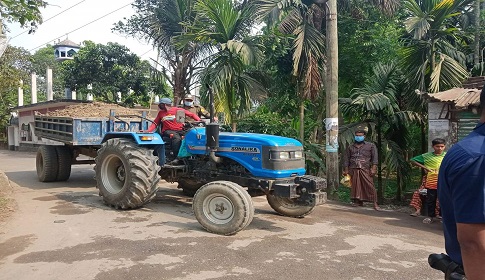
pixel 50 93
pixel 21 93
pixel 90 95
pixel 34 88
pixel 73 95
pixel 11 138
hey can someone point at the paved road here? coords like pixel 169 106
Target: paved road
pixel 63 231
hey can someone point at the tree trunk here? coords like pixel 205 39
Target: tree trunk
pixel 400 184
pixel 302 121
pixel 331 84
pixel 380 189
pixel 432 59
pixel 476 57
pixel 233 126
pixel 424 143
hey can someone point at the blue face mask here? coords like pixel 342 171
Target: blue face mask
pixel 359 138
pixel 189 103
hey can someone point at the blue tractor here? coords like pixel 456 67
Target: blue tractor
pixel 222 170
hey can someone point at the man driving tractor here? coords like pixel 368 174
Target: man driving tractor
pixel 170 127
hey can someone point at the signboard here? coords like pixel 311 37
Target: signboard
pixel 439 125
pixel 331 127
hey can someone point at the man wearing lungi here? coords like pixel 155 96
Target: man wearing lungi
pixel 360 162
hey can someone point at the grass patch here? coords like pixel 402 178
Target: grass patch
pixel 3 202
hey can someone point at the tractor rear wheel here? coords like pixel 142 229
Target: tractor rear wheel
pixel 126 174
pixel 289 207
pixel 223 207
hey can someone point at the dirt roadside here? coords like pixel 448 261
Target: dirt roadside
pixel 7 203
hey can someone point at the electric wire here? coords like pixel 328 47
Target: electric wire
pixel 82 26
pixel 50 18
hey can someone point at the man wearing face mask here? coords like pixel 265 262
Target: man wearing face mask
pixel 171 128
pixel 360 162
pixel 200 111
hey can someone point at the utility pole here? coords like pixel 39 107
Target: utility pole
pixel 331 89
pixel 476 57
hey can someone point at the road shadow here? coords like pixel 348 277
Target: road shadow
pixel 80 178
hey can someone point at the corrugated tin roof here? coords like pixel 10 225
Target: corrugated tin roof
pixel 462 97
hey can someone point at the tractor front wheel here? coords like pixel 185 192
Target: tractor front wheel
pixel 223 207
pixel 289 207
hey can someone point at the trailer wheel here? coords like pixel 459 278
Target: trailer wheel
pixel 64 158
pixel 223 207
pixel 288 207
pixel 46 163
pixel 126 174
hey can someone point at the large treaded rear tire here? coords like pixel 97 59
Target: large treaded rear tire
pixel 46 163
pixel 288 207
pixel 126 174
pixel 64 159
pixel 223 207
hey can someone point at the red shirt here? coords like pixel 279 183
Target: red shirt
pixel 168 119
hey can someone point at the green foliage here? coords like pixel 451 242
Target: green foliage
pixel 22 11
pixel 267 122
pixel 365 41
pixel 430 56
pixel 303 20
pixel 315 159
pixel 15 65
pixel 110 69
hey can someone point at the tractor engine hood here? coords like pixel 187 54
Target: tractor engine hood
pixel 262 155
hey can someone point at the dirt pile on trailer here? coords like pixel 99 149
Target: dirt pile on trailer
pixel 93 109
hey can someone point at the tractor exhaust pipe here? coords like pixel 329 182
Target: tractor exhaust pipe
pixel 212 130
pixel 212 138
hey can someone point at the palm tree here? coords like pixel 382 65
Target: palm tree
pixel 226 25
pixel 161 22
pixel 303 20
pixel 355 7
pixel 381 103
pixel 430 56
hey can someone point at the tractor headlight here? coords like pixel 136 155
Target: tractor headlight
pixel 280 155
pixel 298 154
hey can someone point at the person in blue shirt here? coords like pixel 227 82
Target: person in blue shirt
pixel 461 191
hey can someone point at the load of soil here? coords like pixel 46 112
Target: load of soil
pixel 93 109
pixel 7 203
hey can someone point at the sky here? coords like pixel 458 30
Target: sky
pixel 63 17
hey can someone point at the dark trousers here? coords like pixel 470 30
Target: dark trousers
pixel 176 139
pixel 431 196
